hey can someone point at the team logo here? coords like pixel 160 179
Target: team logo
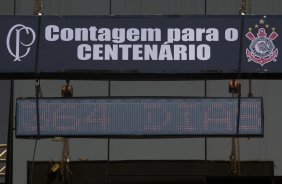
pixel 19 46
pixel 262 49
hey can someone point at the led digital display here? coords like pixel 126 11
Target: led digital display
pixel 139 116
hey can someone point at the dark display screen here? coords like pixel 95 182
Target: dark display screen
pixel 106 117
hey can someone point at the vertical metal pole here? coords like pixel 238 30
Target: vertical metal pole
pixel 108 161
pixel 206 146
pixel 9 163
pixel 205 88
pixel 109 142
pixel 206 139
pixel 109 94
pixel 205 7
pixel 110 7
pixel 10 153
pixel 15 7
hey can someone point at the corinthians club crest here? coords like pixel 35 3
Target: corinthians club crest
pixel 262 49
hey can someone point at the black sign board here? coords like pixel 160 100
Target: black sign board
pixel 140 47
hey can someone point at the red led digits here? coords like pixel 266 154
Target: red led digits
pixel 140 116
pixel 250 117
pixel 157 117
pixel 98 116
pixel 217 118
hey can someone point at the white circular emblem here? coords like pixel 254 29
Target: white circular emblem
pixel 262 46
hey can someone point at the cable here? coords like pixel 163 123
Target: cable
pixel 15 7
pixel 205 7
pixel 32 162
pixel 250 94
pixel 37 49
pixel 38 91
pixel 240 74
pixel 110 7
pixel 38 94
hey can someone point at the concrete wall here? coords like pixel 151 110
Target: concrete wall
pixel 267 148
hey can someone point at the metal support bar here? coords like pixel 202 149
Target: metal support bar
pixel 235 89
pixel 37 7
pixel 9 161
pixel 66 92
pixel 3 155
pixel 109 141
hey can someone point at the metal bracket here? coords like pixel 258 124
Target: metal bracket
pixel 3 156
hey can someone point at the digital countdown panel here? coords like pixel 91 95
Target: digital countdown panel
pixel 138 117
